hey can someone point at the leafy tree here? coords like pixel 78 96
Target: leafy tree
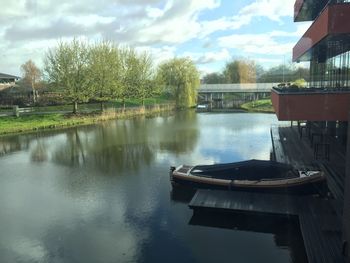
pixel 145 76
pixel 129 75
pixel 259 71
pixel 181 77
pixel 240 71
pixel 138 76
pixel 105 70
pixel 31 76
pixel 67 67
pixel 284 73
pixel 302 73
pixel 214 78
pixel 280 73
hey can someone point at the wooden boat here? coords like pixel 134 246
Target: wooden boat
pixel 251 175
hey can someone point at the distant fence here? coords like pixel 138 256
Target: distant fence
pixel 15 111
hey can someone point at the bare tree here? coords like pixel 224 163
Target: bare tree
pixel 31 75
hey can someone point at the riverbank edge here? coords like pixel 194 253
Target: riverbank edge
pixel 18 125
pixel 258 106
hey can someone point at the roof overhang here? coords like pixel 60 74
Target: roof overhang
pixel 333 25
pixel 7 76
pixel 308 10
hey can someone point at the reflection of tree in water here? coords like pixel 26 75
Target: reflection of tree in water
pixel 180 133
pixel 112 146
pixel 10 144
pixel 129 144
pixel 73 152
pixel 39 151
pixel 122 146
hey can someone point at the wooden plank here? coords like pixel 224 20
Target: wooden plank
pixel 320 227
pixel 299 153
pixel 244 202
pixel 335 181
pixel 277 145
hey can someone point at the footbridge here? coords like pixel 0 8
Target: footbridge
pixel 236 88
pixel 233 95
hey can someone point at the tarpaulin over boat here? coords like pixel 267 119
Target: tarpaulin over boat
pixel 246 170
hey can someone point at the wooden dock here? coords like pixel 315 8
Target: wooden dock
pixel 289 148
pixel 319 224
pixel 319 218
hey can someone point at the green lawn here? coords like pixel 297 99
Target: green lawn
pixel 264 105
pixel 34 122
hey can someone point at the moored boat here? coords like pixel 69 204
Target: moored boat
pixel 251 175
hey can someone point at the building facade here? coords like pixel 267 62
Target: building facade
pixel 7 80
pixel 326 45
pixel 326 101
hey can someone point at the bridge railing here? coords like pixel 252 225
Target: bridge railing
pixel 240 87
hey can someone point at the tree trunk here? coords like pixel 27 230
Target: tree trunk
pixel 33 89
pixel 101 102
pixel 34 96
pixel 75 107
pixel 102 106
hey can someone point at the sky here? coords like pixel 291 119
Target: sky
pixel 210 32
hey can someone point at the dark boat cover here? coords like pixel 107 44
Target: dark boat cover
pixel 246 170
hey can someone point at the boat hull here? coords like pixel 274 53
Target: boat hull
pixel 314 184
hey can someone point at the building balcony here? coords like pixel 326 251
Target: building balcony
pixel 308 10
pixel 292 104
pixel 332 25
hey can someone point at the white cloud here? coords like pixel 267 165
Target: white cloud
pixel 255 44
pixel 154 12
pixel 273 61
pixel 91 19
pixel 209 27
pixel 139 23
pixel 272 9
pixel 301 29
pixel 208 57
pixel 177 23
pixel 266 43
pixel 159 54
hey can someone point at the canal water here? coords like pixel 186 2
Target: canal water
pixel 101 193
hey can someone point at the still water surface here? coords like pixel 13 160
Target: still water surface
pixel 102 194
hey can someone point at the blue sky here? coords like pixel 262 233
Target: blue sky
pixel 211 32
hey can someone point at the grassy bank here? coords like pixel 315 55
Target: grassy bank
pixel 264 105
pixel 51 121
pixel 85 107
